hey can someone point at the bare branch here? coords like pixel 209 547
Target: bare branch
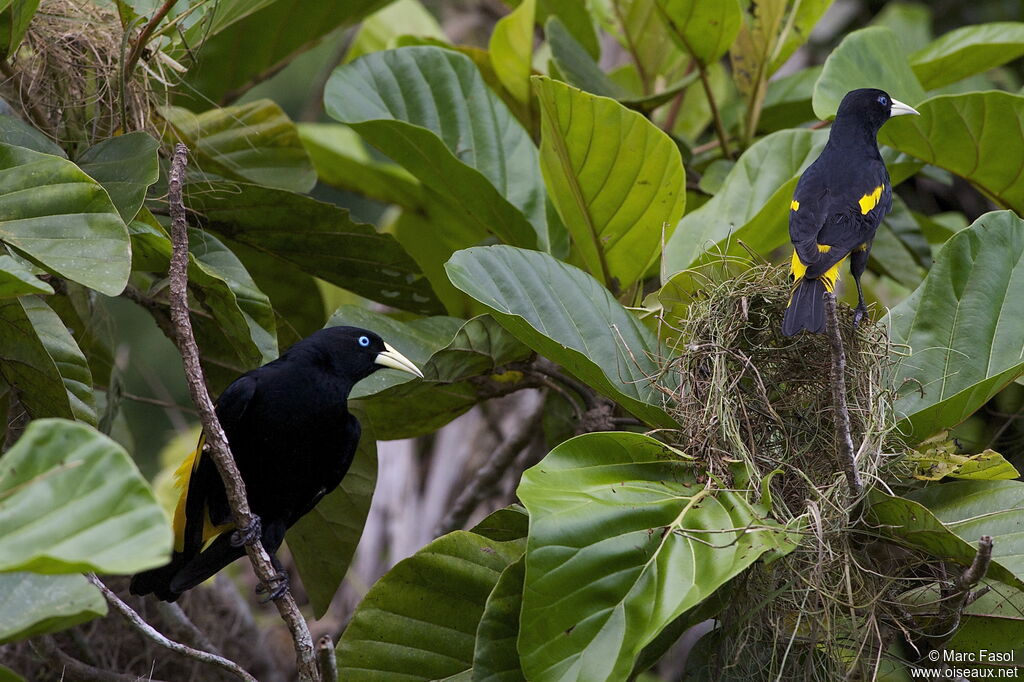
pixel 73 670
pixel 843 438
pixel 150 633
pixel 326 658
pixel 489 475
pixel 216 440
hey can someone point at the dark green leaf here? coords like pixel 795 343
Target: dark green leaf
pixel 41 359
pixel 254 142
pixel 14 19
pixel 265 38
pixel 419 621
pixel 126 166
pixel 962 326
pixel 16 279
pixel 429 109
pixel 495 658
pixel 576 65
pixel 61 217
pixel 14 131
pixel 71 500
pixel 319 238
pixel 566 315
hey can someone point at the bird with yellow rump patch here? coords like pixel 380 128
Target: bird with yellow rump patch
pixel 838 205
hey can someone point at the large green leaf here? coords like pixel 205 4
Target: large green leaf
pixel 566 315
pixel 798 24
pixel 342 161
pixel 752 204
pixel 911 523
pixel 511 49
pixel 39 357
pixel 16 132
pixel 495 658
pixel 58 215
pixel 265 38
pixel 977 135
pixel 72 500
pixel 964 326
pixel 616 179
pixel 704 29
pixel 454 356
pixel 32 604
pixel 868 58
pixel 126 166
pixel 254 142
pixel 221 285
pixel 324 540
pixel 966 51
pixel 624 538
pixel 319 238
pixel 419 621
pixel 975 508
pixel 429 110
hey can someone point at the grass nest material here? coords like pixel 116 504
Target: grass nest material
pixel 66 76
pixel 828 610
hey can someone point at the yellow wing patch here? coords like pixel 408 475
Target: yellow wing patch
pixel 182 475
pixel 869 201
pixel 794 205
pixel 830 277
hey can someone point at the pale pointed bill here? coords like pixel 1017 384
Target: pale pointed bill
pixel 390 357
pixel 901 109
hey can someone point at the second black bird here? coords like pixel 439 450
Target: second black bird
pixel 838 205
pixel 293 439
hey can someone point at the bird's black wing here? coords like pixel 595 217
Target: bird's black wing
pixel 203 487
pixel 807 212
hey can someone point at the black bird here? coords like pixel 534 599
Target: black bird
pixel 838 204
pixel 293 439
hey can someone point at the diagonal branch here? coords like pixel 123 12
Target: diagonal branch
pixel 151 633
pixel 216 440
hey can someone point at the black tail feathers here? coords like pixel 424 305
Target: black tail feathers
pixel 158 580
pixel 806 308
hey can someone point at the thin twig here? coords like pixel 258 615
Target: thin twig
pixel 489 475
pixel 216 440
pixel 188 630
pixel 73 670
pixel 954 602
pixel 326 658
pixel 844 440
pixel 140 42
pixel 150 633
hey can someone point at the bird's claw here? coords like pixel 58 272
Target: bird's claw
pixel 249 535
pixel 275 587
pixel 859 313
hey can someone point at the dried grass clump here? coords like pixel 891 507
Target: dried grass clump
pixel 67 75
pixel 749 394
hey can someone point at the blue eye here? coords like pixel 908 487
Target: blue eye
pixel 883 100
pixel 364 341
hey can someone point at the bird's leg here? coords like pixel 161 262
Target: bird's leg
pixel 248 535
pixel 862 309
pixel 277 584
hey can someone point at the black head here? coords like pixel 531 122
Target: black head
pixel 352 352
pixel 870 108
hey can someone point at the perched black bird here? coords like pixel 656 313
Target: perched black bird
pixel 839 202
pixel 293 439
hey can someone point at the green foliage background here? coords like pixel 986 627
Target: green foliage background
pixel 538 189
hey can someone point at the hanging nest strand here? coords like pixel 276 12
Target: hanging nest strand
pixel 66 76
pixel 747 393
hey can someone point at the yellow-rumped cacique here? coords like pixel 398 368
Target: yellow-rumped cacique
pixel 838 204
pixel 293 440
